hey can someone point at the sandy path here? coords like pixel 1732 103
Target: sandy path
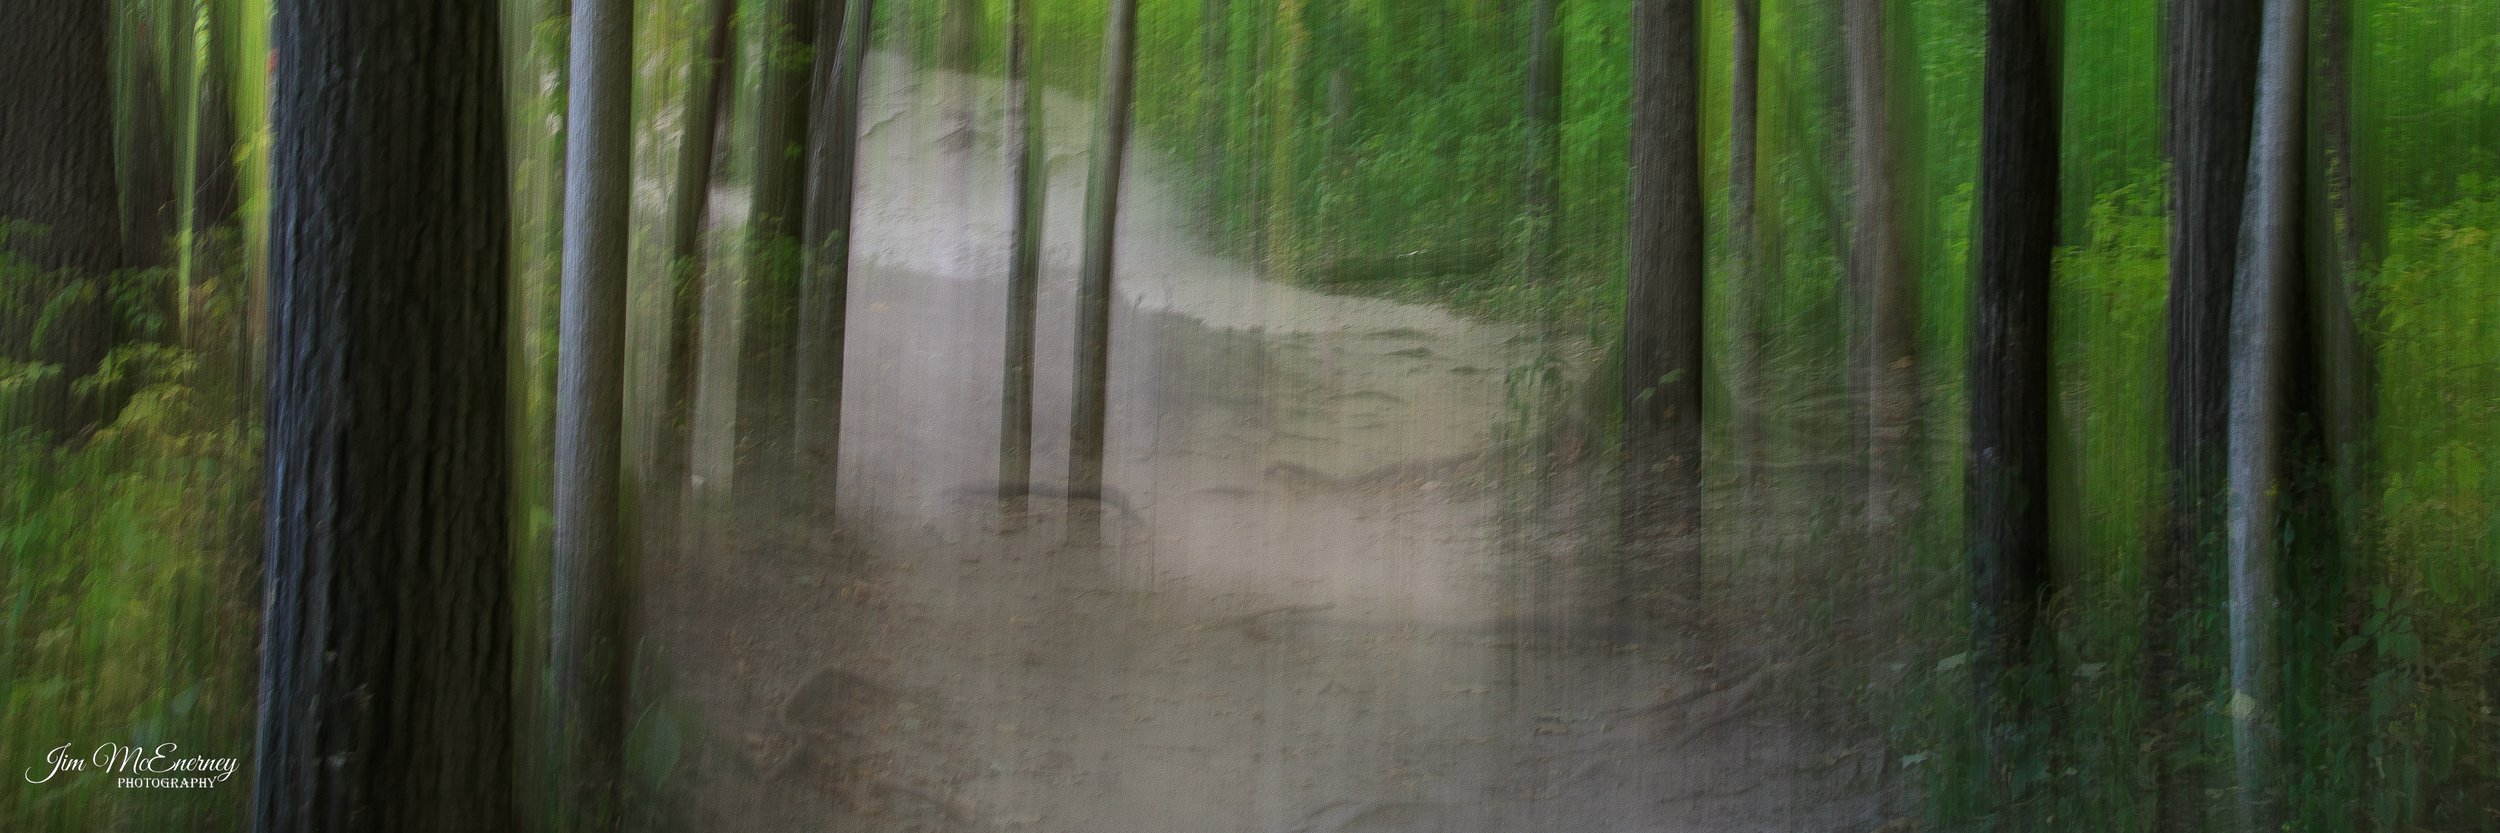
pixel 1312 618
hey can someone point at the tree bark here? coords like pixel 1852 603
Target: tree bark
pixel 2349 226
pixel 959 47
pixel 2010 380
pixel 1743 236
pixel 1094 288
pixel 1662 325
pixel 592 552
pixel 57 183
pixel 216 197
pixel 148 190
pixel 2263 316
pixel 1289 45
pixel 672 435
pixel 1027 170
pixel 768 342
pixel 1215 88
pixel 1542 116
pixel 833 160
pixel 386 681
pixel 1882 257
pixel 2211 78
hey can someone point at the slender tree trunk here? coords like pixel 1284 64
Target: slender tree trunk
pixel 1291 43
pixel 2348 228
pixel 217 200
pixel 769 341
pixel 2010 382
pixel 148 189
pixel 1662 323
pixel 833 161
pixel 1543 119
pixel 2263 317
pixel 1744 236
pixel 56 177
pixel 1027 171
pixel 2211 77
pixel 592 555
pixel 386 679
pixel 1216 88
pixel 958 46
pixel 1102 208
pixel 672 437
pixel 1882 256
pixel 2360 220
pixel 959 43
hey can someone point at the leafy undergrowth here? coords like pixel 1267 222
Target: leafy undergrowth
pixel 129 567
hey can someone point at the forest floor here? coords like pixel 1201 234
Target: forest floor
pixel 1317 605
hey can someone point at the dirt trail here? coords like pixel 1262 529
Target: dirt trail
pixel 1310 615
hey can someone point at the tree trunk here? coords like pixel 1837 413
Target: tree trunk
pixel 591 546
pixel 1881 254
pixel 2211 74
pixel 1027 171
pixel 1662 324
pixel 217 201
pixel 1102 208
pixel 959 44
pixel 2263 315
pixel 833 161
pixel 672 437
pixel 2010 379
pixel 56 177
pixel 148 191
pixel 386 681
pixel 1543 118
pixel 2350 228
pixel 769 341
pixel 1743 236
pixel 216 197
pixel 1290 43
pixel 1216 89
pixel 959 53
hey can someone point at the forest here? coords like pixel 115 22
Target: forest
pixel 1277 415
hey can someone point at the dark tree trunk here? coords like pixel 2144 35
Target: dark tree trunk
pixel 386 680
pixel 2360 222
pixel 57 183
pixel 591 552
pixel 2264 317
pixel 689 267
pixel 1543 120
pixel 1102 208
pixel 1743 236
pixel 2211 77
pixel 2351 228
pixel 149 210
pixel 1662 323
pixel 1027 171
pixel 833 160
pixel 769 341
pixel 2010 381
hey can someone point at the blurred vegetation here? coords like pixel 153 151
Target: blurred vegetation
pixel 1376 146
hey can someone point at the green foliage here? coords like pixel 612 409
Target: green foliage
pixel 128 571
